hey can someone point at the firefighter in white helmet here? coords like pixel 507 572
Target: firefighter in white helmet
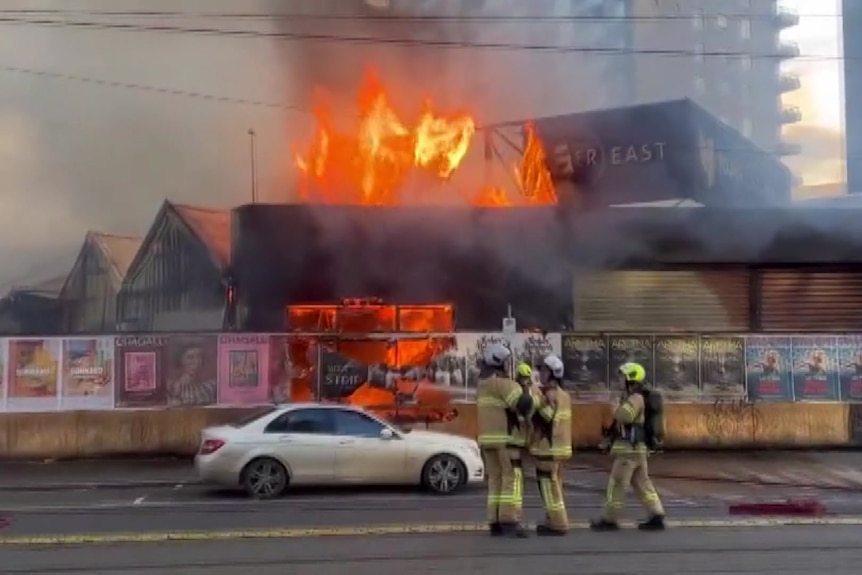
pixel 500 400
pixel 551 444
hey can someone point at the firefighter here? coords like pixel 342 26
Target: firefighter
pixel 521 431
pixel 500 401
pixel 629 452
pixel 551 445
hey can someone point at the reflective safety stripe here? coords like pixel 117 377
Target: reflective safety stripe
pixel 485 401
pixel 547 412
pixel 513 397
pixel 493 439
pixel 563 415
pixel 623 447
pixel 553 452
pixel 628 410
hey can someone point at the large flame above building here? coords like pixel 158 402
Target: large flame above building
pixel 371 161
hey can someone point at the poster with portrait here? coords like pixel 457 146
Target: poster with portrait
pixel 676 367
pixel 138 378
pixel 4 362
pixel 625 349
pixel 849 359
pixel 88 373
pixel 243 369
pixel 33 374
pixel 471 346
pixel 585 357
pixel 768 368
pixel 815 368
pixel 722 367
pixel 191 370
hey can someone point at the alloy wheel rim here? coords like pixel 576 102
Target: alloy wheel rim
pixel 444 475
pixel 265 479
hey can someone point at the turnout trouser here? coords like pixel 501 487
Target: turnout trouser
pixel 630 469
pixel 505 473
pixel 548 474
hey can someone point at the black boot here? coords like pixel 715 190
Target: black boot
pixel 547 531
pixel 654 523
pixel 513 530
pixel 495 528
pixel 604 525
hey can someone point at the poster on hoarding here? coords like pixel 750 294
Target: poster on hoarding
pixel 815 368
pixel 768 368
pixel 677 369
pixel 470 347
pixel 33 374
pixel 722 367
pixel 191 370
pixel 293 363
pixel 531 348
pixel 243 369
pixel 138 380
pixel 849 359
pixel 340 375
pixel 585 357
pixel 88 373
pixel 626 349
pixel 4 354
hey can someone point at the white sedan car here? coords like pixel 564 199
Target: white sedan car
pixel 320 445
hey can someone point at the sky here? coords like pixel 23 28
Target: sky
pixel 820 98
pixel 91 145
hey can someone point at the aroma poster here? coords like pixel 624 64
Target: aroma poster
pixel 722 367
pixel 627 349
pixel 585 357
pixel 677 373
pixel 88 373
pixel 33 374
pixel 243 370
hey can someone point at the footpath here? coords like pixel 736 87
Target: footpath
pixel 840 471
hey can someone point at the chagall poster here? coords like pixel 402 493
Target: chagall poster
pixel 815 368
pixel 676 367
pixel 88 373
pixel 138 380
pixel 768 368
pixel 627 349
pixel 849 359
pixel 33 374
pixel 243 373
pixel 722 367
pixel 585 357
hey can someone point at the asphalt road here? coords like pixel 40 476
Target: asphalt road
pixel 729 550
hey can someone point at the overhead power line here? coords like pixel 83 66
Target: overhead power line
pixel 395 18
pixel 401 42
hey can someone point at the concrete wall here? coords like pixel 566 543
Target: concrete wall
pixel 731 425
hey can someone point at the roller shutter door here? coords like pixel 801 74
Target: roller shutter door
pixel 811 301
pixel 651 301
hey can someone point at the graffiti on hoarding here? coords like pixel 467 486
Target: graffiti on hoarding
pixel 732 420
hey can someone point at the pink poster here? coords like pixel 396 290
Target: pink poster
pixel 243 374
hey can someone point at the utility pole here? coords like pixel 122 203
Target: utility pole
pixel 252 138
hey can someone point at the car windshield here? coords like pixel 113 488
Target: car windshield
pixel 254 416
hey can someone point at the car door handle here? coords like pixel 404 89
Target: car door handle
pixel 346 442
pixel 286 439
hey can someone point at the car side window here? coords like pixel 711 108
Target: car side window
pixel 308 421
pixel 355 424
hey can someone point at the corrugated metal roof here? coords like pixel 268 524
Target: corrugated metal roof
pixel 119 251
pixel 212 227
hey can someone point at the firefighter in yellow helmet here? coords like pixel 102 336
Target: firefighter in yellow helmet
pixel 500 401
pixel 629 451
pixel 521 432
pixel 551 445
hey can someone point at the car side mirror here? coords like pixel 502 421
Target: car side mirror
pixel 387 434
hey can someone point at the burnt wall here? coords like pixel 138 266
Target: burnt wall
pixel 479 260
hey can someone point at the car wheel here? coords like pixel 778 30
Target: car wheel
pixel 264 478
pixel 444 474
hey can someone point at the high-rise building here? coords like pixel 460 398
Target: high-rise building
pixel 724 55
pixel 852 18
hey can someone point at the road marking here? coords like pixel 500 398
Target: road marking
pixel 139 500
pixel 379 530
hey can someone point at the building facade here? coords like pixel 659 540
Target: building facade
pixel 851 18
pixel 725 55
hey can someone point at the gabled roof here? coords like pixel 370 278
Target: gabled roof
pixel 48 288
pixel 211 227
pixel 119 251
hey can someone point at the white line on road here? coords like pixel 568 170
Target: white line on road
pixel 140 500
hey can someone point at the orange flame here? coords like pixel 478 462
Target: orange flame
pixel 371 163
